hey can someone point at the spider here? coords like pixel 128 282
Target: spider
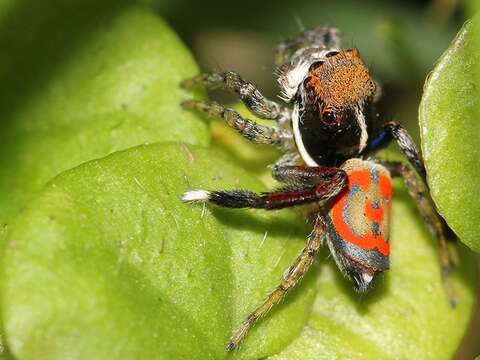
pixel 327 136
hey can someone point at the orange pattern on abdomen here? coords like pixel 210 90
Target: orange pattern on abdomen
pixel 350 220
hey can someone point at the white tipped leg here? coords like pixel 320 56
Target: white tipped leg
pixel 196 196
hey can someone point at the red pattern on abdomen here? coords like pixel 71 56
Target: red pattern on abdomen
pixel 383 195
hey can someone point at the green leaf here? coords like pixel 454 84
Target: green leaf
pixel 108 263
pixel 96 77
pixel 82 80
pixel 450 131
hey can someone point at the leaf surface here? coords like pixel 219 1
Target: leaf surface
pixel 107 262
pixel 450 131
pixel 96 78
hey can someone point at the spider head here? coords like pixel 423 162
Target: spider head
pixel 339 86
pixel 333 96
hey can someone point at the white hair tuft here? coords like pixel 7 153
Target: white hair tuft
pixel 196 195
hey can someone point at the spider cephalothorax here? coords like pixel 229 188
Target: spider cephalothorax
pixel 332 95
pixel 325 135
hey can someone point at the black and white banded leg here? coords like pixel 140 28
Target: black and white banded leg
pixel 395 131
pixel 301 175
pixel 435 223
pixel 246 91
pixel 323 36
pixel 247 128
pixel 287 159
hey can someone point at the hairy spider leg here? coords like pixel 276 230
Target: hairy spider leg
pixel 302 175
pixel 287 159
pixel 418 192
pixel 435 223
pixel 394 131
pixel 247 128
pixel 312 185
pixel 319 37
pixel 290 278
pixel 253 99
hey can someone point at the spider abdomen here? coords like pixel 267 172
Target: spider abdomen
pixel 360 222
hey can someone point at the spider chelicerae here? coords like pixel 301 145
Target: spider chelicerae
pixel 327 133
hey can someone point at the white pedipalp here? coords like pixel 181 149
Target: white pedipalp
pixel 290 79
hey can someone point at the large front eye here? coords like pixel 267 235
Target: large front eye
pixel 332 53
pixel 315 65
pixel 329 118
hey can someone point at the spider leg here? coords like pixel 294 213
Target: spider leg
pixel 302 175
pixel 290 278
pixel 319 37
pixel 287 172
pixel 320 184
pixel 394 131
pixel 246 127
pixel 246 91
pixel 288 159
pixel 435 223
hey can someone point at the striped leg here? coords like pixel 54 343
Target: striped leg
pixel 287 159
pixel 290 278
pixel 318 37
pixel 305 175
pixel 246 91
pixel 247 128
pixel 435 223
pixel 394 131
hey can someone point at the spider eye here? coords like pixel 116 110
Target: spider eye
pixel 315 65
pixel 329 117
pixel 332 53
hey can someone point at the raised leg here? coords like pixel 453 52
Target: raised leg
pixel 290 278
pixel 394 131
pixel 246 127
pixel 435 223
pixel 246 91
pixel 322 184
pixel 319 37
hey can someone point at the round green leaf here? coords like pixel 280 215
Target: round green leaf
pixel 95 78
pixel 108 263
pixel 450 131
